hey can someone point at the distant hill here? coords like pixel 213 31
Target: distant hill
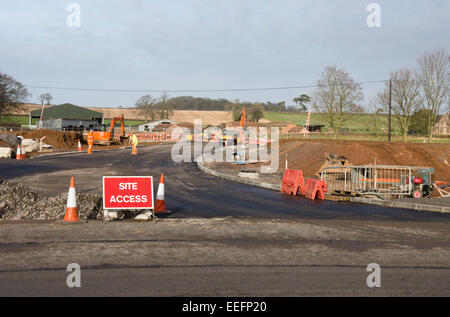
pixel 207 117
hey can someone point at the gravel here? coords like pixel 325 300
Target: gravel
pixel 19 202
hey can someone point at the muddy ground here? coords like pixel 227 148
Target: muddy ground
pixel 310 155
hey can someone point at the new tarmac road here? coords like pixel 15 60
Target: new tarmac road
pixel 223 239
pixel 189 191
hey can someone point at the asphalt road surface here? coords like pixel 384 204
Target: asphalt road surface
pixel 223 239
pixel 189 192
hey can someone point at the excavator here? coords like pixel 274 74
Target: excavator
pixel 103 137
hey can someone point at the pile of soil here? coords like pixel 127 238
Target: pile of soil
pixel 311 155
pixel 19 202
pixel 333 160
pixel 58 139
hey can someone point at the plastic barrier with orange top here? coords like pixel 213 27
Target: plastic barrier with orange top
pixel 292 182
pixel 315 188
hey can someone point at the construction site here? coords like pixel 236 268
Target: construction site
pixel 418 173
pixel 344 188
pixel 211 152
pixel 314 221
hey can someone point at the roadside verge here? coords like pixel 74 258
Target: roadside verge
pixel 247 181
pixel 401 204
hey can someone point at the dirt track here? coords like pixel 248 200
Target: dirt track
pixel 310 155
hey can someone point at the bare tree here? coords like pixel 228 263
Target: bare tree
pixel 45 99
pixel 12 94
pixel 147 106
pixel 406 98
pixel 164 107
pixel 433 73
pixel 337 94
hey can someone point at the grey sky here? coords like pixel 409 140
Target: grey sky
pixel 211 45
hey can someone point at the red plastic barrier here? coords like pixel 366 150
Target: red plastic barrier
pixel 292 182
pixel 315 188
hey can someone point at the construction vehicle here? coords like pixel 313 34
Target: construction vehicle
pixel 106 137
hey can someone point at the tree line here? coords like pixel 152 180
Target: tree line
pixel 417 94
pixel 154 108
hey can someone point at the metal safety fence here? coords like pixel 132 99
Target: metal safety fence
pixel 374 179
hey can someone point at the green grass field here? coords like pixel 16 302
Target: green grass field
pixel 368 137
pixel 355 123
pixel 14 120
pixel 368 127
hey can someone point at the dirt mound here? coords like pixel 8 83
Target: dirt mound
pixel 311 155
pixel 334 160
pixel 58 139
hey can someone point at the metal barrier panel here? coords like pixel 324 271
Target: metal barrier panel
pixel 374 179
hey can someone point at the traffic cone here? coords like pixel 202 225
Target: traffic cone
pixel 19 153
pixel 79 146
pixel 24 155
pixel 71 209
pixel 134 151
pixel 160 205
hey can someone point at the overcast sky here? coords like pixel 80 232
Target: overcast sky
pixel 215 44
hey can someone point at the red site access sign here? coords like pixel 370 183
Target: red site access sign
pixel 127 192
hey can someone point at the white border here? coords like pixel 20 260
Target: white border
pixel 127 208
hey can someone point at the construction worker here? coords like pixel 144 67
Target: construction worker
pixel 134 141
pixel 90 141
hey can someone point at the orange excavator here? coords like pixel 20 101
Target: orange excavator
pixel 101 136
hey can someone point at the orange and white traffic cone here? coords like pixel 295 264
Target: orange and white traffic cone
pixel 79 146
pixel 71 215
pixel 71 208
pixel 24 154
pixel 160 205
pixel 19 153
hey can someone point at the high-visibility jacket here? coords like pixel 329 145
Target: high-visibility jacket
pixel 134 140
pixel 91 138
